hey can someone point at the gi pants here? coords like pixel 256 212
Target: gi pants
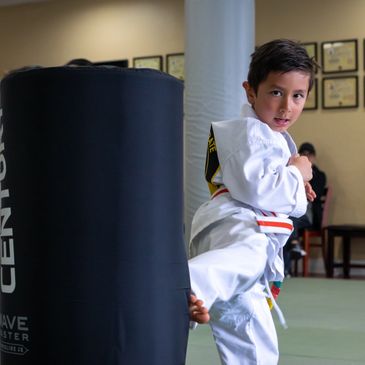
pixel 229 274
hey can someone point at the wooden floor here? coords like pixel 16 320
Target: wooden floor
pixel 326 319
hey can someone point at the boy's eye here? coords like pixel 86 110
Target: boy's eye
pixel 298 96
pixel 276 93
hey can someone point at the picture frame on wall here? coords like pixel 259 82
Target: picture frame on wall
pixel 153 62
pixel 312 51
pixel 339 56
pixel 175 65
pixel 312 100
pixel 340 92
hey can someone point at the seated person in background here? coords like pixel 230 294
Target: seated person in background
pixel 313 217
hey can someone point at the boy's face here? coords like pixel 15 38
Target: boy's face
pixel 280 99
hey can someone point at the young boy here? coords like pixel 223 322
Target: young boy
pixel 257 180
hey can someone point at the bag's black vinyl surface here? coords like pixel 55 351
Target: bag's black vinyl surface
pixel 93 268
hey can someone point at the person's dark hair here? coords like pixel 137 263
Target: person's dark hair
pixel 279 55
pixel 307 148
pixel 79 62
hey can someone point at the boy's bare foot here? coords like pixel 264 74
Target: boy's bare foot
pixel 198 313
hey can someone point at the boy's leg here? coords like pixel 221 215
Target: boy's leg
pixel 244 330
pixel 232 261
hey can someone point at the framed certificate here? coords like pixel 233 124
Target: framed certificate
pixel 339 56
pixel 340 92
pixel 312 100
pixel 154 62
pixel 311 49
pixel 175 65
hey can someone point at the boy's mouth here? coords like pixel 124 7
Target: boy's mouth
pixel 281 121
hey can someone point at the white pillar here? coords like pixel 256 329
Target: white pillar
pixel 220 37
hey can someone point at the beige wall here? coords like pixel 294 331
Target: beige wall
pixel 51 33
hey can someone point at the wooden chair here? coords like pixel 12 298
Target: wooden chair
pixel 309 234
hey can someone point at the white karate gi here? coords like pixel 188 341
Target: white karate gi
pixel 233 256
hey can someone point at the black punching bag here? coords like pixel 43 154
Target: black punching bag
pixel 93 262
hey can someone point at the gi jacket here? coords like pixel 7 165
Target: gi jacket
pixel 253 167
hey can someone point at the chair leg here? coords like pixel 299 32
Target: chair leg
pixel 324 252
pixel 306 247
pixel 305 266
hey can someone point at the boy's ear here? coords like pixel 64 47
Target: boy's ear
pixel 250 92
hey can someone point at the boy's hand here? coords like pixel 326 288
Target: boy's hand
pixel 303 165
pixel 311 195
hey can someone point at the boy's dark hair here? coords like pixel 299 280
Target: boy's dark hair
pixel 279 55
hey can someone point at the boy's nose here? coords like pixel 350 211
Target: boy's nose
pixel 285 105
